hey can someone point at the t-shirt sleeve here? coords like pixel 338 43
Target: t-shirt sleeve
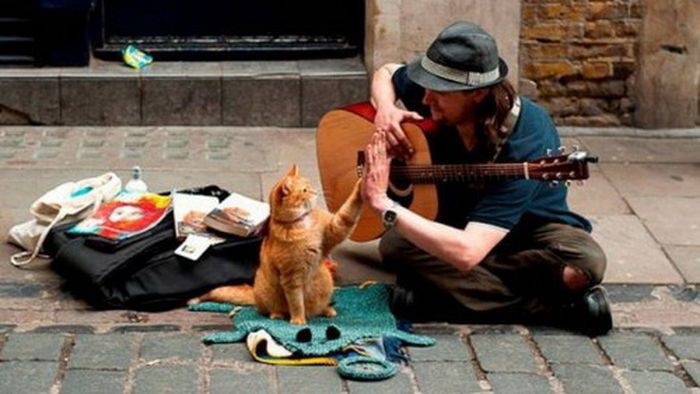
pixel 410 93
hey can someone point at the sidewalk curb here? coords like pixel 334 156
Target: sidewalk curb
pixel 570 131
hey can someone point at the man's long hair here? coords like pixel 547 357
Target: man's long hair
pixel 494 111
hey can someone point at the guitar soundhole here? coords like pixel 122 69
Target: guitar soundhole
pixel 400 190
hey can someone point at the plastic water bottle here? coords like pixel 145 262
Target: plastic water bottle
pixel 136 184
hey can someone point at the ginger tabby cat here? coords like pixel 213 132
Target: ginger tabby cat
pixel 291 279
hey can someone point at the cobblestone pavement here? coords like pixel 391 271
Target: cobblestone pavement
pixel 642 198
pixel 465 359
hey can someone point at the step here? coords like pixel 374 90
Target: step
pixel 233 93
pixel 17 45
pixel 10 26
pixel 16 60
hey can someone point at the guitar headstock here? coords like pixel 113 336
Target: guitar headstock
pixel 563 167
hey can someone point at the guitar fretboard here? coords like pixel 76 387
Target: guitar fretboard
pixel 458 172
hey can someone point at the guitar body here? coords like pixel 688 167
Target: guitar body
pixel 341 134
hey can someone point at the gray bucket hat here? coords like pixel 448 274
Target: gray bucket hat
pixel 463 57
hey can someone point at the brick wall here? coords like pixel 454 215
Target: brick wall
pixel 582 55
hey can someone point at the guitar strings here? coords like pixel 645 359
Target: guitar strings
pixel 472 171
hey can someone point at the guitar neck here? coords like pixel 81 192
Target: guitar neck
pixel 443 173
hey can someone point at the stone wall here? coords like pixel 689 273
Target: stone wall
pixel 583 57
pixel 399 30
pixel 668 77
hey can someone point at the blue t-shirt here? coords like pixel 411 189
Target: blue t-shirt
pixel 509 204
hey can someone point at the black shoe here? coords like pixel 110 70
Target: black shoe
pixel 401 303
pixel 590 314
pixel 427 304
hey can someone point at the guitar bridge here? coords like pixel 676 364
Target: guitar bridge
pixel 360 166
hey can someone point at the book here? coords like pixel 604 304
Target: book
pixel 238 215
pixel 125 215
pixel 189 211
pixel 195 245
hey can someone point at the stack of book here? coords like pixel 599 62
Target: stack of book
pixel 236 215
pixel 203 221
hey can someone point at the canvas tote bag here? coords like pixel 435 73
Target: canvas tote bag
pixel 71 201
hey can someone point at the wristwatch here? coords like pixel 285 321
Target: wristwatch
pixel 389 216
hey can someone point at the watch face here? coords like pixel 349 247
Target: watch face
pixel 389 218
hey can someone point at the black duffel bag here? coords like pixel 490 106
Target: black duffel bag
pixel 143 272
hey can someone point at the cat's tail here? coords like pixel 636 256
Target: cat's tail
pixel 239 295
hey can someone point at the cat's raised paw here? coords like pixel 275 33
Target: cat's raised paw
pixel 298 320
pixel 330 312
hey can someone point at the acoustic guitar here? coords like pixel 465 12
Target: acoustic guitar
pixel 343 134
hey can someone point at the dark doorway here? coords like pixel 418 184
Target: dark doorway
pixel 229 29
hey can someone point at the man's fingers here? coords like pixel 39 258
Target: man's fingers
pixel 391 140
pixel 415 116
pixel 403 146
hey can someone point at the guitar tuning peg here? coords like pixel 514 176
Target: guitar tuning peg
pixel 553 183
pixel 548 152
pixel 567 184
pixel 562 149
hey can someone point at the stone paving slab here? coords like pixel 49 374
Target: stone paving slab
pixel 684 347
pixel 402 382
pixel 687 260
pixel 656 150
pixel 177 346
pixel 166 379
pixel 230 352
pixel 27 377
pixel 312 379
pixel 577 378
pixel 93 382
pixel 233 380
pixel 447 348
pixel 504 353
pixel 446 377
pixel 597 196
pixel 662 311
pixel 653 180
pixel 636 352
pixel 693 370
pixel 32 347
pixel 654 382
pixel 633 255
pixel 671 220
pixel 104 352
pixel 568 349
pixel 521 383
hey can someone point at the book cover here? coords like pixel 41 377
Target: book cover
pixel 189 211
pixel 125 215
pixel 238 215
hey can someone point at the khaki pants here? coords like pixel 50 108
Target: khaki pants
pixel 520 280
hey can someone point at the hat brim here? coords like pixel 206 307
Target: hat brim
pixel 428 80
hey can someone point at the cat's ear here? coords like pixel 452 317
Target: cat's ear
pixel 286 184
pixel 286 187
pixel 293 170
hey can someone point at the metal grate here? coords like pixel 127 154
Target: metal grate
pixel 17 42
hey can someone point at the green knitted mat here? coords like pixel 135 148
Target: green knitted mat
pixel 363 312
